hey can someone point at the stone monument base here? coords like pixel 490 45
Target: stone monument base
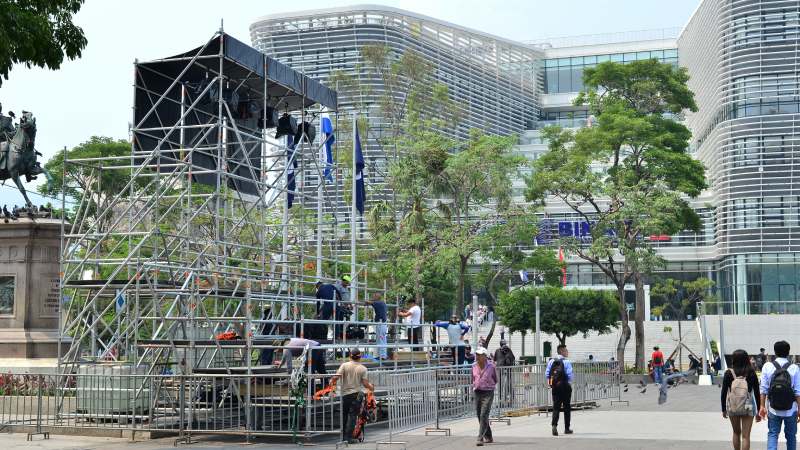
pixel 21 343
pixel 29 282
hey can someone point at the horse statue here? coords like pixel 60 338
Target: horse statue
pixel 17 154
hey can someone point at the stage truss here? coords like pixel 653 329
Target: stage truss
pixel 199 241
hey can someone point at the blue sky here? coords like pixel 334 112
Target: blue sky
pixel 93 95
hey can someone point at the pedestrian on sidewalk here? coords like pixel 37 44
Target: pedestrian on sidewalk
pixel 559 377
pixel 353 376
pixel 484 379
pixel 740 398
pixel 658 364
pixel 780 384
pixel 504 357
pixel 761 359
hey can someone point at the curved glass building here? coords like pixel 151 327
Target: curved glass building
pixel 743 57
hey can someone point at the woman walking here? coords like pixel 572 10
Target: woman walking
pixel 740 398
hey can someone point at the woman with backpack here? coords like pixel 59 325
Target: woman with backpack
pixel 740 398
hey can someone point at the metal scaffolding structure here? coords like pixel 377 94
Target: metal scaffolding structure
pixel 201 259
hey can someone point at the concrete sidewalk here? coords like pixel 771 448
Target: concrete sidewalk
pixel 689 420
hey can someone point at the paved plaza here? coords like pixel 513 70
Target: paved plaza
pixel 689 420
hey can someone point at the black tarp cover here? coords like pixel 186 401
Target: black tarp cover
pixel 244 69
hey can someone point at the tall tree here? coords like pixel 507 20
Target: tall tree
pixel 411 103
pixel 475 190
pixel 628 174
pixel 39 33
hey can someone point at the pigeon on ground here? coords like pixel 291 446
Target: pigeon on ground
pixel 6 214
pixel 643 391
pixel 626 390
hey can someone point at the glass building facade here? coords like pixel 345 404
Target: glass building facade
pixel 742 56
pixel 563 75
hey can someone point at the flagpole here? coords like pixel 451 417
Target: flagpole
pixel 319 205
pixel 285 231
pixel 353 212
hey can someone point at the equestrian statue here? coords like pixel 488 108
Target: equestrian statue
pixel 17 154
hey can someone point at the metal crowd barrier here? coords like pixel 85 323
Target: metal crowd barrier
pixel 270 404
pixel 596 381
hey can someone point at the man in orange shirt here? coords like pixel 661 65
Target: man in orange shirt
pixel 658 364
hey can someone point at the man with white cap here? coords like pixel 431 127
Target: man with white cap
pixel 484 379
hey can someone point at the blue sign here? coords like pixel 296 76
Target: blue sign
pixel 578 229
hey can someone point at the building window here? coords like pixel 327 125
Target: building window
pixel 564 75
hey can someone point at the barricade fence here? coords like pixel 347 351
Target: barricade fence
pixel 275 404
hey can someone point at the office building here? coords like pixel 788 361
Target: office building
pixel 742 57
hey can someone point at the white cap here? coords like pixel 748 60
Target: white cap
pixel 481 351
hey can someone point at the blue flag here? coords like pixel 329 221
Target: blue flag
pixel 361 194
pixel 326 155
pixel 291 162
pixel 119 301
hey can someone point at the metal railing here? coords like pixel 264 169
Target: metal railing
pixel 275 403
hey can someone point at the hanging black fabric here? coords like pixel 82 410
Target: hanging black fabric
pixel 287 126
pixel 308 129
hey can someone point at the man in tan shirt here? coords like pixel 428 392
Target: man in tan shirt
pixel 353 376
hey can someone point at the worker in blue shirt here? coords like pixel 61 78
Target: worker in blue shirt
pixel 455 334
pixel 327 293
pixel 381 330
pixel 559 376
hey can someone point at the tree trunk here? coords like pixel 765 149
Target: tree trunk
pixel 639 317
pixel 490 290
pixel 417 276
pixel 491 333
pixel 462 270
pixel 562 338
pixel 625 334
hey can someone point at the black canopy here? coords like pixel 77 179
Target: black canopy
pixel 169 88
pixel 241 61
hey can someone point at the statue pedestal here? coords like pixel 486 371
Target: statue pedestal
pixel 29 279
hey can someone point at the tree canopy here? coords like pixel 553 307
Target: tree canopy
pixel 450 196
pixel 563 312
pixel 628 174
pixel 100 186
pixel 677 298
pixel 39 33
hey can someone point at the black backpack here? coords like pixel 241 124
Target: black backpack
pixel 557 372
pixel 781 392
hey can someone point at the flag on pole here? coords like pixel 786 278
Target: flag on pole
pixel 291 162
pixel 563 268
pixel 119 301
pixel 326 152
pixel 523 275
pixel 361 194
